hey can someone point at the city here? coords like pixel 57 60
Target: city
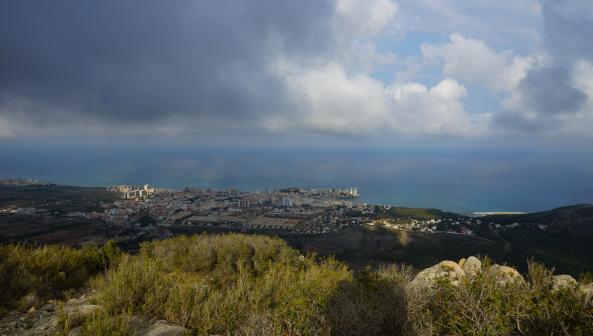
pixel 130 214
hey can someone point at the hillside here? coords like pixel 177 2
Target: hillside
pixel 236 284
pixel 54 198
pixel 415 213
pixel 555 217
pixel 362 246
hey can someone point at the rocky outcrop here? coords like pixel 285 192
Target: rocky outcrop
pixel 587 291
pixel 447 269
pixel 466 268
pixel 44 321
pixel 162 328
pixel 563 281
pixel 472 266
pixel 506 275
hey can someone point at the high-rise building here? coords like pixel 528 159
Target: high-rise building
pixel 286 201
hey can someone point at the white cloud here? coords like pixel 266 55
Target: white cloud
pixel 338 95
pixel 6 130
pixel 355 24
pixel 365 18
pixel 582 74
pixel 472 61
pixel 436 111
pixel 333 101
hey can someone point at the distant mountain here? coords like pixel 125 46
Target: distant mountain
pixel 560 238
pixel 556 216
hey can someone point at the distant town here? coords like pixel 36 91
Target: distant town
pixel 298 210
pixel 136 213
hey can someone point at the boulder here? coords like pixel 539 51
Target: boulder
pixel 506 275
pixel 563 281
pixel 163 328
pixel 447 269
pixel 472 266
pixel 587 291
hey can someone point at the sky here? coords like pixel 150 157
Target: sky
pixel 484 76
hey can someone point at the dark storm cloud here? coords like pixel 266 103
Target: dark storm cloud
pixel 549 91
pixel 568 27
pixel 143 60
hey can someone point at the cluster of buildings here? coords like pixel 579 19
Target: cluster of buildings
pixel 133 192
pixel 297 210
pixel 448 225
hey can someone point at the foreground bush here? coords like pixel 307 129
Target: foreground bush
pixel 104 325
pixel 214 283
pixel 235 284
pixel 482 305
pixel 250 285
pixel 30 275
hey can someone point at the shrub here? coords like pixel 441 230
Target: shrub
pixel 484 306
pixel 373 304
pixel 555 312
pixel 101 324
pixel 230 284
pixel 29 275
pixel 234 284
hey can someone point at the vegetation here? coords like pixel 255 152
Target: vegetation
pixel 101 324
pixel 235 284
pixel 555 216
pixel 484 306
pixel 60 199
pixel 415 213
pixel 30 275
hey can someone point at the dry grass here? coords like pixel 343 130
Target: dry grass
pixel 234 284
pixel 30 275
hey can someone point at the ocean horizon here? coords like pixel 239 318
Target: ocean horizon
pixel 461 180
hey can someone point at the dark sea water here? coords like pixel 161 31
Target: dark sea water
pixel 454 179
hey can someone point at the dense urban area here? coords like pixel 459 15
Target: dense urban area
pixel 137 212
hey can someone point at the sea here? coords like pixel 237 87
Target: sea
pixel 457 179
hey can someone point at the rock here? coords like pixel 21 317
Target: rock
pixel 587 291
pixel 163 328
pixel 445 269
pixel 563 281
pixel 50 307
pixel 31 310
pixel 506 275
pixel 88 309
pixel 472 266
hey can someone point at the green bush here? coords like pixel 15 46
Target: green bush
pixel 104 325
pixel 235 284
pixel 483 306
pixel 225 284
pixel 30 275
pixel 375 303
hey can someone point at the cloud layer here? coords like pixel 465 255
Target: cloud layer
pixel 306 67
